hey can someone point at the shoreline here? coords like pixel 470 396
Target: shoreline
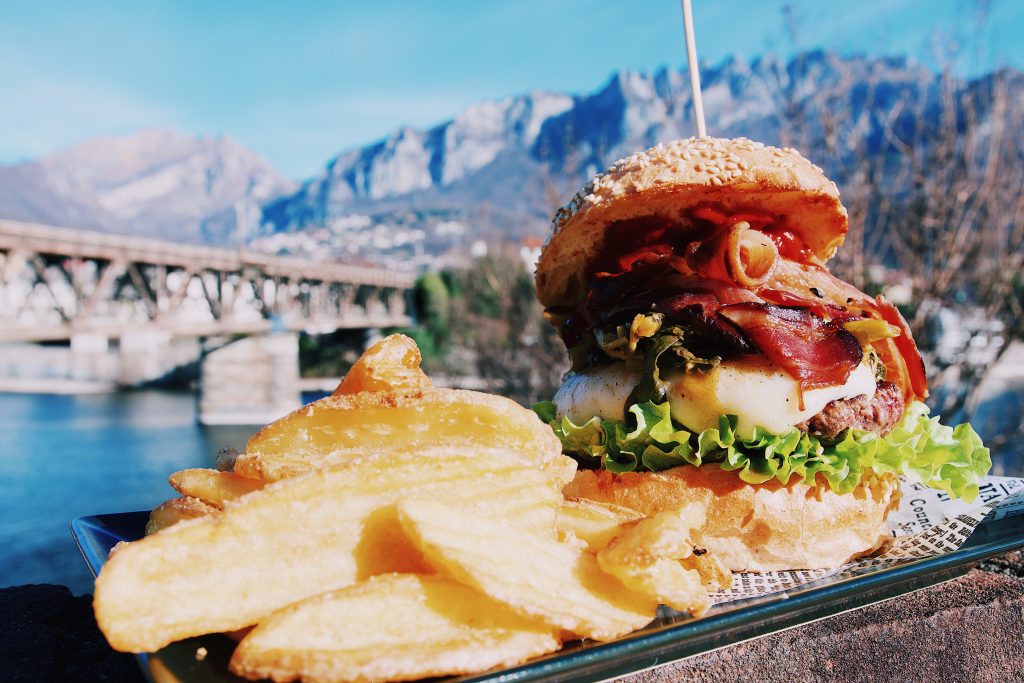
pixel 54 385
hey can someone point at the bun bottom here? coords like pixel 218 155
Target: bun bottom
pixel 758 527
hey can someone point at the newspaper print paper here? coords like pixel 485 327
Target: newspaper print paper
pixel 927 523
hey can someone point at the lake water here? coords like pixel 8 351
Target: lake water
pixel 66 456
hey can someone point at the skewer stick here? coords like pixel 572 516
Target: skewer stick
pixel 691 61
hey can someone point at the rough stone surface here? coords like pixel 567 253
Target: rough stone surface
pixel 1011 564
pixel 50 635
pixel 970 629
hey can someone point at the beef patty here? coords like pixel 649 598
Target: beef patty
pixel 878 414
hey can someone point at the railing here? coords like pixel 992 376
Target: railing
pixel 88 244
pixel 57 282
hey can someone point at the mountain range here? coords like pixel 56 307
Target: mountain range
pixel 498 168
pixel 154 183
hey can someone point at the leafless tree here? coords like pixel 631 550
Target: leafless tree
pixel 932 176
pixel 937 199
pixel 496 318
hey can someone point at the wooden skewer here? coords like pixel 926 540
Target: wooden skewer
pixel 691 61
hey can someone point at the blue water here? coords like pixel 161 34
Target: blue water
pixel 66 456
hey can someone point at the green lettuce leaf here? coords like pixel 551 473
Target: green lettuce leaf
pixel 921 449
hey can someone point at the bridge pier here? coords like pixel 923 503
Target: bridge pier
pixel 252 381
pixel 152 354
pixel 371 336
pixel 90 359
pixel 135 310
pixel 142 355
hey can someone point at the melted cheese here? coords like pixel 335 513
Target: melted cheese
pixel 759 393
pixel 756 391
pixel 601 392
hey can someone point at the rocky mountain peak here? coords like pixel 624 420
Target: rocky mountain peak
pixel 504 164
pixel 496 168
pixel 155 181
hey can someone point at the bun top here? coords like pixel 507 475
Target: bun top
pixel 667 181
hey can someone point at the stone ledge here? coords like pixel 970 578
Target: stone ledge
pixel 969 629
pixel 50 635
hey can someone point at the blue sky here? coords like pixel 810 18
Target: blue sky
pixel 300 81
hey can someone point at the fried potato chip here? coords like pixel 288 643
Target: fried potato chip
pixel 296 538
pixel 393 627
pixel 713 573
pixel 534 575
pixel 175 510
pixel 332 430
pixel 391 365
pixel 596 524
pixel 274 467
pixel 213 487
pixel 646 556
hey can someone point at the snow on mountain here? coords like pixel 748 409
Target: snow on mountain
pixel 479 134
pixel 497 169
pixel 521 155
pixel 500 168
pixel 453 167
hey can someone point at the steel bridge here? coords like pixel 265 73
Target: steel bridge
pixel 56 283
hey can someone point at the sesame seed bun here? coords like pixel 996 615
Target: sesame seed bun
pixel 757 527
pixel 668 181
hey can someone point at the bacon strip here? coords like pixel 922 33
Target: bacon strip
pixel 814 352
pixel 800 278
pixel 644 269
pixel 654 284
pixel 902 360
pixel 739 255
pixel 816 306
pixel 906 345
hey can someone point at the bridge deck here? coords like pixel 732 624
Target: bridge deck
pixel 56 282
pixel 87 244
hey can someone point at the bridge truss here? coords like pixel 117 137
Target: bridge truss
pixel 58 282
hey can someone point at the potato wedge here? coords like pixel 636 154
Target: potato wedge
pixel 534 575
pixel 713 573
pixel 213 487
pixel 596 524
pixel 391 365
pixel 175 510
pixel 649 556
pixel 296 538
pixel 337 428
pixel 392 627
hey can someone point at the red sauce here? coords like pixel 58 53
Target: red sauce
pixel 789 245
pixel 758 220
pixel 637 239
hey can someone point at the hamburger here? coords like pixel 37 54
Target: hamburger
pixel 714 358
